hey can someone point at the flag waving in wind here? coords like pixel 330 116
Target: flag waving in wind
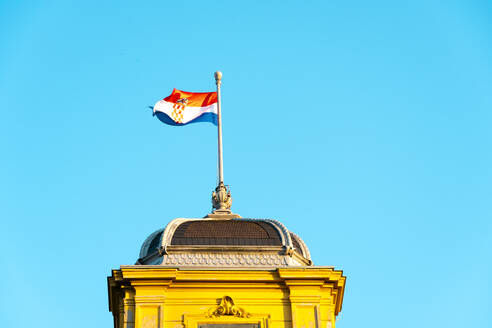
pixel 181 108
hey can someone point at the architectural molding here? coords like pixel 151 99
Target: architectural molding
pixel 230 259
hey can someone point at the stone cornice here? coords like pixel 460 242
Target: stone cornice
pixel 299 280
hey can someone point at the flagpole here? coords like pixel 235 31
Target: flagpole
pixel 221 197
pixel 218 81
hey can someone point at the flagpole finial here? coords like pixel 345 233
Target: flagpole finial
pixel 218 77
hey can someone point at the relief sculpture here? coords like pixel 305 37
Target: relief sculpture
pixel 228 308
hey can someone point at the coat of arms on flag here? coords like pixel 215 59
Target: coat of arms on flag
pixel 181 108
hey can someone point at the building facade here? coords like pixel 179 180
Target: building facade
pixel 224 271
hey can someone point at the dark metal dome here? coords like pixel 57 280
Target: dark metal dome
pixel 229 242
pixel 226 232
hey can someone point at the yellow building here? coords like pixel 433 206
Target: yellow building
pixel 224 271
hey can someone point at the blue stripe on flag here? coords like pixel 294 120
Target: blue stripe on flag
pixel 205 117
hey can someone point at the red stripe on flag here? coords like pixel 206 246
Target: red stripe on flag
pixel 195 99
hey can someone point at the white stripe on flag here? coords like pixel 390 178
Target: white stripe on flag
pixel 189 113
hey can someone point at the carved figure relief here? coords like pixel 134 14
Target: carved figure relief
pixel 227 307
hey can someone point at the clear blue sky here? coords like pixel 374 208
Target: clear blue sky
pixel 364 126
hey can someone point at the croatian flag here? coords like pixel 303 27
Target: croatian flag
pixel 181 108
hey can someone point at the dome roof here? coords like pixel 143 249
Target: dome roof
pixel 224 242
pixel 226 232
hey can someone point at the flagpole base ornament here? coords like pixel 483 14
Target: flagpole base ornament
pixel 221 203
pixel 222 199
